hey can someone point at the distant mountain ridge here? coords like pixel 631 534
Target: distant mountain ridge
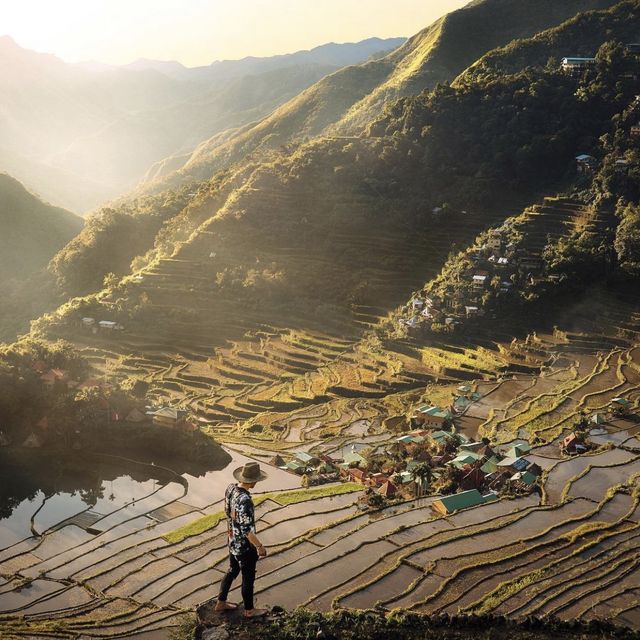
pixel 331 54
pixel 82 134
pixel 344 102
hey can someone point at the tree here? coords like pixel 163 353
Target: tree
pixel 422 475
pixel 375 500
pixel 110 281
pixel 627 242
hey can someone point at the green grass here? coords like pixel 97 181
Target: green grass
pixel 283 498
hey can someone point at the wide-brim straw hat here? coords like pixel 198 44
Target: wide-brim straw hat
pixel 249 473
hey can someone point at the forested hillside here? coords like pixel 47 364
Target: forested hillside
pixel 346 101
pixel 577 37
pixel 302 233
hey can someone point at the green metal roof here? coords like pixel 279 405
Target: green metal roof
pixel 435 412
pixel 464 500
pixel 441 435
pixel 353 458
pixel 518 450
pixel 524 476
pixel 461 460
pixel 490 466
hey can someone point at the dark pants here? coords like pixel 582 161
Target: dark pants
pixel 246 563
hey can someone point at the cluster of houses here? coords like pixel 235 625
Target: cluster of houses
pixel 432 457
pixel 496 267
pixel 587 164
pixel 53 377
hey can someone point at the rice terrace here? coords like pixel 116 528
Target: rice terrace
pixel 353 334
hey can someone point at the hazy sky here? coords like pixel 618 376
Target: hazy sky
pixel 196 32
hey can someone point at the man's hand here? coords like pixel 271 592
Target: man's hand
pixel 262 552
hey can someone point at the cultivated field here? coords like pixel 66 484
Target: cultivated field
pixel 264 384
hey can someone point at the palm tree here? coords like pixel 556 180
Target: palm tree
pixel 421 475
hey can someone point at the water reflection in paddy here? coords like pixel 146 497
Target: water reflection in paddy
pixel 42 491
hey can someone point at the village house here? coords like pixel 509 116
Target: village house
pixel 378 479
pixel 388 490
pixel 530 262
pixel 463 459
pixel 518 450
pixel 356 475
pixel 621 165
pixel 575 67
pixel 171 418
pixel 573 444
pixel 513 464
pixel 306 459
pixel 479 280
pixel 506 287
pixel 354 459
pixel 433 417
pixel 494 241
pixel 54 377
pixel 619 406
pixel 490 466
pixel 474 447
pixel 441 438
pixel 295 467
pixel 277 461
pixel 464 500
pixel 109 325
pixel 586 163
pixel 523 481
pixel 473 479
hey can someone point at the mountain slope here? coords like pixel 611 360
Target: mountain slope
pixel 30 231
pixel 580 36
pixel 460 38
pixel 342 222
pixel 346 101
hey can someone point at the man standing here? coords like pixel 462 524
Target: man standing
pixel 244 546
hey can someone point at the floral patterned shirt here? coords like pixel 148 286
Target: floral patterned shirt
pixel 241 519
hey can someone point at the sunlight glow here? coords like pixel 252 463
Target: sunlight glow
pixel 197 32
